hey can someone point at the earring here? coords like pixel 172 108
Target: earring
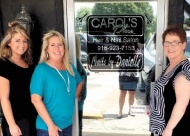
pixel 47 55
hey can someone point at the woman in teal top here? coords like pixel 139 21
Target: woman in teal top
pixel 54 86
pixel 83 74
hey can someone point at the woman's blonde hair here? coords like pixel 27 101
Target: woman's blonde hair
pixel 78 46
pixel 5 50
pixel 44 55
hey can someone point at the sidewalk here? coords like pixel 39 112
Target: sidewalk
pixel 101 109
pixel 111 133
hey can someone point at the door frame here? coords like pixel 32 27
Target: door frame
pixel 69 33
pixel 162 23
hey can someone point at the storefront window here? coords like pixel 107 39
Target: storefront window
pixel 103 88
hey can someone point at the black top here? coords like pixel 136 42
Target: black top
pixel 150 78
pixel 163 100
pixel 19 79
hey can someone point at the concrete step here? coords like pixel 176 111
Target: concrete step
pixel 115 133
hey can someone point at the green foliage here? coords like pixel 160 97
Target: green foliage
pixel 130 8
pixel 81 12
pixel 187 22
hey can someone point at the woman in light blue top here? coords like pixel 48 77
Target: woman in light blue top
pixel 54 86
pixel 83 75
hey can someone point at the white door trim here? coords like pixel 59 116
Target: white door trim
pixel 162 21
pixel 69 34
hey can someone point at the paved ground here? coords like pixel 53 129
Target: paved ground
pixel 113 134
pixel 101 109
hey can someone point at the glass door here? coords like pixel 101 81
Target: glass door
pixel 118 40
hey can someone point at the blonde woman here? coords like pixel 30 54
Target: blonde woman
pixel 15 74
pixel 54 86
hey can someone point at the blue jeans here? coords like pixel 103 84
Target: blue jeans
pixel 65 132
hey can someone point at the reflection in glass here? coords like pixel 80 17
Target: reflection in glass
pixel 98 91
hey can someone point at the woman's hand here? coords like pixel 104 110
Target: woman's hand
pixel 53 130
pixel 15 130
pixel 167 132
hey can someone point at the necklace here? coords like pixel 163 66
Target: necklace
pixel 67 86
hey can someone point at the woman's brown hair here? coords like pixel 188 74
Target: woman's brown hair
pixel 175 30
pixel 5 50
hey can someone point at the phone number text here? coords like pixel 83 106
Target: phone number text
pixel 116 48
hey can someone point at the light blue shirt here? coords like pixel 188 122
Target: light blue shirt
pixel 60 104
pixel 83 93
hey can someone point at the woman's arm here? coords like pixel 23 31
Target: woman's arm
pixel 79 88
pixel 182 92
pixel 6 107
pixel 42 111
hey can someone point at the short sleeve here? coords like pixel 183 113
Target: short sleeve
pixel 81 70
pixel 4 69
pixel 185 71
pixel 37 81
pixel 77 75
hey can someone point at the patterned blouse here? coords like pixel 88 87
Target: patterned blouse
pixel 163 100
